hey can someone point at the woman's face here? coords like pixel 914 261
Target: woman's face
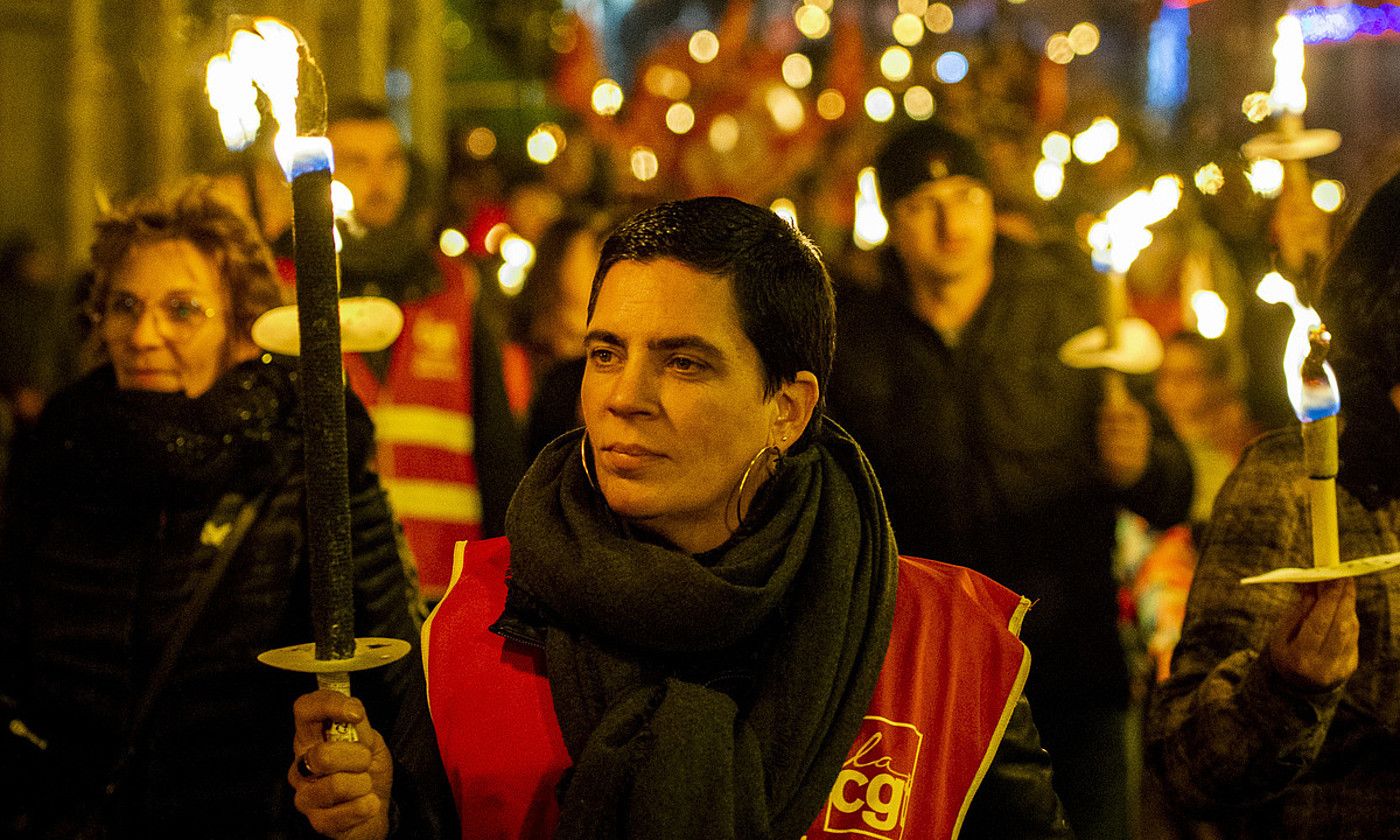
pixel 165 320
pixel 673 400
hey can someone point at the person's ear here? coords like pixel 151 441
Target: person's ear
pixel 795 401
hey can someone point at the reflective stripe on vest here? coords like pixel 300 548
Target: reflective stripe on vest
pixel 441 501
pixel 423 425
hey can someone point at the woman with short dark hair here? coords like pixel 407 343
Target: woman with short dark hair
pixel 693 623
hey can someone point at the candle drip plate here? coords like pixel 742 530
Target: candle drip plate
pixel 1139 349
pixel 367 324
pixel 1317 574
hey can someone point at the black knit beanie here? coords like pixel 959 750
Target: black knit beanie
pixel 922 153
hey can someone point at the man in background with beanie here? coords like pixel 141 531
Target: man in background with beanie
pixel 994 455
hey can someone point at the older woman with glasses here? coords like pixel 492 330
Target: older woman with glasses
pixel 154 545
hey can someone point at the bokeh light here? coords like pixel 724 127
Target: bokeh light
pixel 951 67
pixel 785 210
pixel 1265 177
pixel 1094 143
pixel 680 117
pixel 543 143
pixel 1083 38
pixel 896 63
pixel 785 108
pixel 939 18
pixel 453 242
pixel 1328 195
pixel 724 133
pixel 1211 313
pixel 1210 179
pixel 871 227
pixel 812 22
pixel 1058 49
pixel 797 70
pixel 481 142
pixel 607 97
pixel 342 200
pixel 644 163
pixel 879 104
pixel 913 7
pixel 908 29
pixel 1057 147
pixel 704 46
pixel 918 102
pixel 1049 179
pixel 666 81
pixel 1257 106
pixel 831 105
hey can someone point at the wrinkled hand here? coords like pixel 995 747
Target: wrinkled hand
pixel 1313 646
pixel 347 795
pixel 1125 436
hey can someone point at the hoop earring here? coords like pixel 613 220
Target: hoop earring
pixel 771 451
pixel 583 458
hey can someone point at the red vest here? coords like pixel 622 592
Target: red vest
pixel 951 677
pixel 424 435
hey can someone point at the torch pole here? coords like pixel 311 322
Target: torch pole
pixel 323 418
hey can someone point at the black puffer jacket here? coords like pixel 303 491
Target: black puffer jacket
pixel 104 519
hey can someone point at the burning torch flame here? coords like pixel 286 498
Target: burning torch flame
pixel 1289 94
pixel 1312 387
pixel 1123 233
pixel 871 227
pixel 232 94
pixel 265 59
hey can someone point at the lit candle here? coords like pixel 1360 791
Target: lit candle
pixel 1312 389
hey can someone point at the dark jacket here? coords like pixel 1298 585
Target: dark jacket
pixel 1235 741
pixel 107 515
pixel 987 453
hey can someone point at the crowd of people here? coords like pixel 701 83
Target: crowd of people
pixel 766 536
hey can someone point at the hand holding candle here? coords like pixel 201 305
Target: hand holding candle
pixel 1314 644
pixel 1124 434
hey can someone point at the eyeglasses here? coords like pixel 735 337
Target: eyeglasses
pixel 178 316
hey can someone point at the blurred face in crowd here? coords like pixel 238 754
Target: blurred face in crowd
pixel 371 161
pixel 165 320
pixel 674 403
pixel 1185 388
pixel 575 285
pixel 945 229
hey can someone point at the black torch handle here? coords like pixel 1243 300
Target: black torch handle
pixel 323 417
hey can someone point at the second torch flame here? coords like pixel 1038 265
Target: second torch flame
pixel 1312 388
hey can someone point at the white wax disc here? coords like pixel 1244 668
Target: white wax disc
pixel 1308 143
pixel 1351 568
pixel 369 653
pixel 1139 348
pixel 367 324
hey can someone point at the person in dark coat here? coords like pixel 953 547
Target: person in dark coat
pixel 995 455
pixel 1281 718
pixel 135 485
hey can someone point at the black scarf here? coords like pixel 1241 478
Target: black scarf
pixel 712 696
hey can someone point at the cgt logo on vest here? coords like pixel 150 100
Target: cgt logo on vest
pixel 871 795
